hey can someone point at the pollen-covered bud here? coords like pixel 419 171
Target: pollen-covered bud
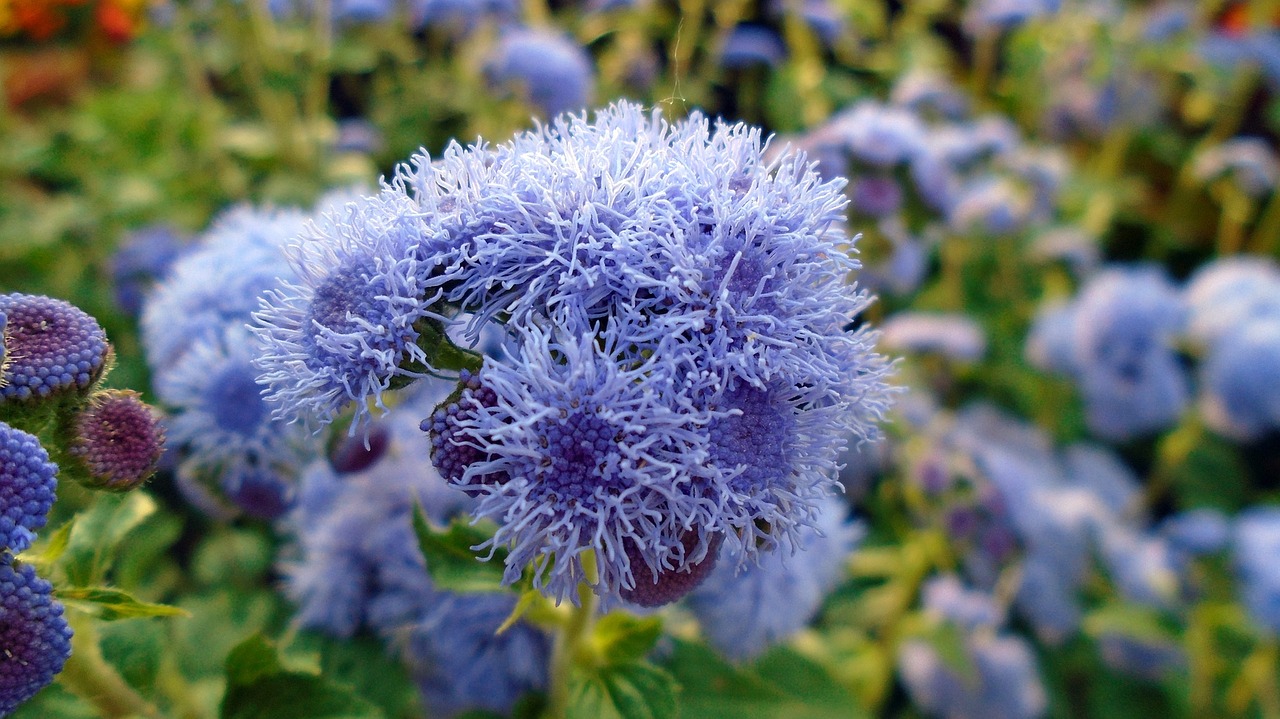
pixel 35 638
pixel 27 482
pixel 118 440
pixel 656 588
pixel 50 346
pixel 451 453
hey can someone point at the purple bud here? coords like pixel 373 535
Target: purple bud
pixel 118 439
pixel 656 588
pixel 50 346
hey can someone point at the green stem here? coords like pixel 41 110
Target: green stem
pixel 88 675
pixel 1266 236
pixel 569 642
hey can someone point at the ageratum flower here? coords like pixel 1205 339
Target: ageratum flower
pixel 661 277
pixel 461 663
pixel 1241 381
pixel 1256 544
pixel 218 284
pixel 581 452
pixel 50 346
pixel 222 421
pixel 27 483
pixel 348 327
pixel 33 632
pixel 1228 292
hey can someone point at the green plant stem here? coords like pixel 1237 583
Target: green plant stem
pixel 88 675
pixel 568 645
pixel 1266 236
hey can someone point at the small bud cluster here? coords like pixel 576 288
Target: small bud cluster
pixel 52 356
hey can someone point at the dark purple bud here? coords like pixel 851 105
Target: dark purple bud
pixel 654 589
pixel 358 453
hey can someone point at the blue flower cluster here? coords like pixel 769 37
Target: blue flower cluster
pixel 1008 498
pixel 201 357
pixel 743 612
pixel 921 166
pixel 678 372
pixel 999 676
pixel 355 565
pixel 1121 340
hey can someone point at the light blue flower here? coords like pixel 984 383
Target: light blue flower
pixel 220 417
pixel 548 70
pixel 347 327
pixel 1241 380
pixel 955 336
pixel 1255 548
pixel 1228 292
pixel 742 612
pixel 1005 681
pixel 218 283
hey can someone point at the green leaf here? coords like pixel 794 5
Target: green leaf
pixel 110 604
pixel 451 561
pixel 98 531
pixel 631 690
pixel 259 687
pixel 46 553
pixel 781 685
pixel 441 353
pixel 1206 471
pixel 622 637
pixel 948 641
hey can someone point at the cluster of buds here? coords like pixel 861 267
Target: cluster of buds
pixel 54 418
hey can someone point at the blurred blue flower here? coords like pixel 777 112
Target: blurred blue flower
pixel 1197 531
pixel 1255 547
pixel 222 423
pixel 748 45
pixel 743 611
pixel 1001 679
pixel 1126 319
pixel 548 70
pixel 142 259
pixel 1228 292
pixel 1249 162
pixel 955 336
pixel 218 283
pixel 1240 380
pixel 984 16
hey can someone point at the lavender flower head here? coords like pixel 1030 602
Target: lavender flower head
pixel 954 336
pixel 548 70
pixel 1248 161
pixel 1255 547
pixel 33 632
pixel 1000 679
pixel 27 483
pixel 1241 381
pixel 221 419
pixel 589 455
pixel 348 327
pixel 142 259
pixel 218 283
pixel 1125 323
pixel 1226 293
pixel 742 612
pixel 680 302
pixel 50 346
